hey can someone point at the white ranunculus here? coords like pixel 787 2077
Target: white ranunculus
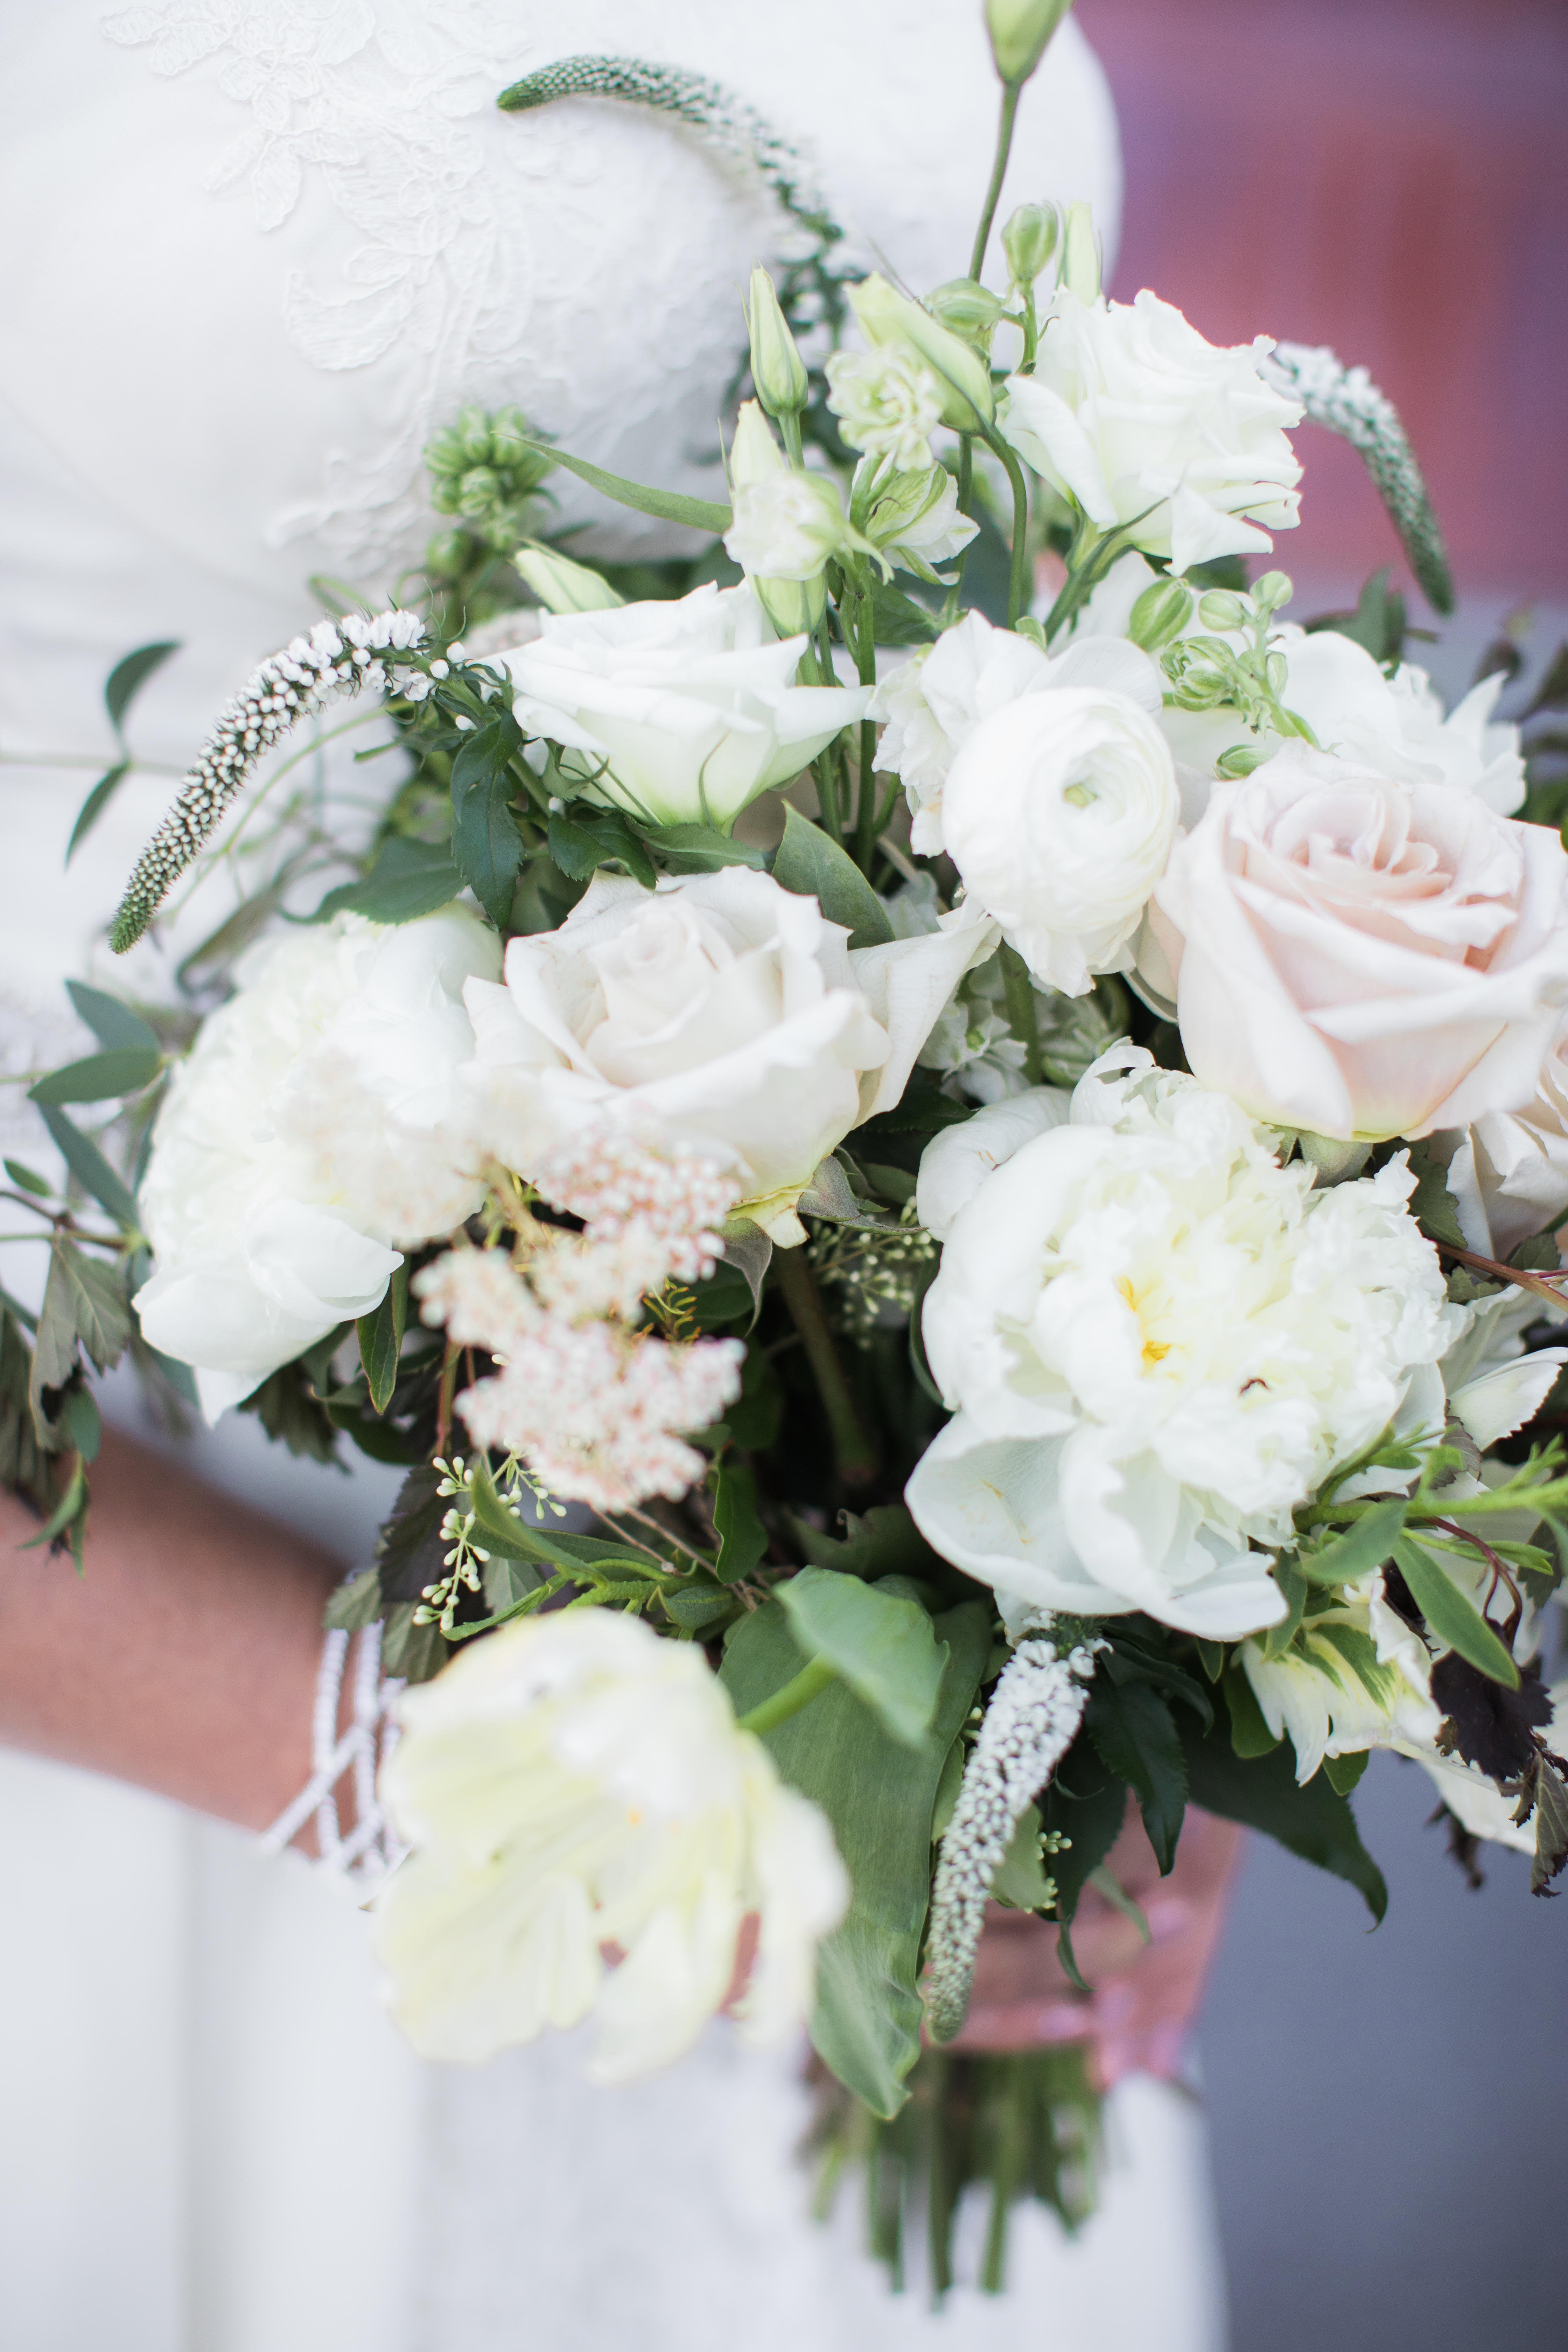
pixel 1510 1174
pixel 1157 1342
pixel 930 705
pixel 310 1138
pixel 1059 812
pixel 721 1006
pixel 1355 1676
pixel 1134 416
pixel 590 1833
pixel 692 702
pixel 1359 956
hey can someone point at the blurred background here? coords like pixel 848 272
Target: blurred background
pixel 1389 177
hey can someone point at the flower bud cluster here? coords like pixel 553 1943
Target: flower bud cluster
pixel 485 468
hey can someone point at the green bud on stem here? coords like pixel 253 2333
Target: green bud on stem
pixel 1030 240
pixel 1020 34
pixel 778 372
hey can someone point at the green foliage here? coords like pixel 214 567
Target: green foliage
pixel 99 1077
pixel 112 1023
pixel 1451 1616
pixel 666 505
pixel 1084 1805
pixel 95 804
pixel 585 837
pixel 409 879
pixel 876 1638
pixel 293 1415
pixel 810 864
pixel 380 1340
pixel 1315 1822
pixel 1135 1736
pixel 91 1169
pixel 1432 1204
pixel 1365 1545
pixel 742 1539
pixel 1378 622
pixel 879 1797
pixel 128 676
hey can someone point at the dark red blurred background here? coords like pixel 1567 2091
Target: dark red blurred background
pixel 1390 177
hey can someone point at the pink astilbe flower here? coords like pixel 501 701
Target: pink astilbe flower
pixel 622 1179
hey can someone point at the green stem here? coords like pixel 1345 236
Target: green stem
pixel 853 1451
pixel 1018 574
pixel 949 610
pixel 789 426
pixel 1018 996
pixel 1010 95
pixel 865 825
pixel 798 1691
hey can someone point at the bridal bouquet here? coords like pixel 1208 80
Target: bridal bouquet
pixel 991 1110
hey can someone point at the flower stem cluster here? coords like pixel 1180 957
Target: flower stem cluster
pixel 485 468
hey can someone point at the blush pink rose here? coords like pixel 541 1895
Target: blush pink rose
pixel 1359 957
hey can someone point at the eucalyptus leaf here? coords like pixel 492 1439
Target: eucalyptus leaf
pixel 877 1640
pixel 112 1023
pixel 99 1077
pixel 808 863
pixel 126 678
pixel 95 804
pixel 1451 1616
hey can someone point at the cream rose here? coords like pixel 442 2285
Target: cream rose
pixel 1357 956
pixel 1156 1343
pixel 1134 416
pixel 721 1006
pixel 689 703
pixel 310 1138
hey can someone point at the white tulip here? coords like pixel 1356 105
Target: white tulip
pixel 590 1833
pixel 690 702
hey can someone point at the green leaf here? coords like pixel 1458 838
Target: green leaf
pixel 697 849
pixel 97 800
pixel 880 1798
pixel 1365 1546
pixel 487 847
pixel 112 1023
pixel 91 1170
pixel 409 879
pixel 82 1422
pixel 590 837
pixel 28 1179
pixel 380 1340
pixel 355 1603
pixel 1020 1880
pixel 1133 1733
pixel 899 620
pixel 1314 1822
pixel 127 678
pixel 1551 1828
pixel 502 1530
pixel 485 754
pixel 1211 1657
pixel 1345 1771
pixel 1295 1586
pixel 1086 1804
pixel 1250 1734
pixel 813 867
pixel 1451 1616
pixel 667 505
pixel 885 1542
pixel 876 1637
pixel 125 1070
pixel 1432 1203
pixel 742 1539
pixel 95 1297
pixel 1139 1651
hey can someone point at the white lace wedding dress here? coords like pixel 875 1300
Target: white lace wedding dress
pixel 255 251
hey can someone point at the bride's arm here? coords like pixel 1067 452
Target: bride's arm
pixel 184 1660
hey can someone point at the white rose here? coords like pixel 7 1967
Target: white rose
pixel 590 1833
pixel 720 1006
pixel 1510 1174
pixel 1131 413
pixel 310 1136
pixel 930 705
pixel 1358 955
pixel 692 701
pixel 1059 812
pixel 1157 1342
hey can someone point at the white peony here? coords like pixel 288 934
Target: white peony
pixel 310 1137
pixel 932 705
pixel 591 1835
pixel 1157 1342
pixel 690 701
pixel 722 1007
pixel 1131 413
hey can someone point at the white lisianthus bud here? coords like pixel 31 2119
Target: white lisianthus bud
pixel 1030 240
pixel 887 402
pixel 911 517
pixel 1160 614
pixel 1020 34
pixel 777 369
pixel 1080 254
pixel 562 586
pixel 886 316
pixel 787 526
pixel 1059 812
pixel 970 309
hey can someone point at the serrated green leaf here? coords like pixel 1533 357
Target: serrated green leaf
pixel 1451 1616
pixel 876 1638
pixel 742 1539
pixel 1551 1828
pixel 355 1603
pixel 484 755
pixel 487 847
pixel 1363 1547
pixel 1086 1804
pixel 1314 1821
pixel 126 678
pixel 112 1023
pixel 668 506
pixel 99 1077
pixel 409 879
pixel 1135 1738
pixel 1432 1204
pixel 588 838
pixel 380 1340
pixel 91 1170
pixel 96 1298
pixel 814 867
pixel 95 804
pixel 880 1798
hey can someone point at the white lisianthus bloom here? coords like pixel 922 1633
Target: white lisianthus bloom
pixel 1059 812
pixel 1355 1676
pixel 310 1138
pixel 787 526
pixel 1157 1342
pixel 719 1007
pixel 1358 955
pixel 890 320
pixel 1132 414
pixel 932 705
pixel 888 403
pixel 590 1833
pixel 690 701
